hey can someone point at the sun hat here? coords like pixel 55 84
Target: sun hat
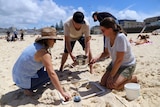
pixel 48 33
pixel 78 17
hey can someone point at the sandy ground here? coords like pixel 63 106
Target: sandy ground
pixel 147 71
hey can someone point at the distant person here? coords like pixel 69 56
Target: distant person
pixel 76 29
pixel 28 71
pixel 141 36
pixel 8 38
pixel 123 63
pixel 141 39
pixel 22 34
pixel 15 35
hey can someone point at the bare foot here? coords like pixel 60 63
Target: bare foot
pixel 28 93
pixel 134 79
pixel 73 65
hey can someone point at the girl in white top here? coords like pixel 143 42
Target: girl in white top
pixel 122 66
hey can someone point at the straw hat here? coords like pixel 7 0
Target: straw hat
pixel 48 33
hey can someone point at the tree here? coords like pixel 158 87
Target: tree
pixel 57 26
pixel 61 25
pixel 52 26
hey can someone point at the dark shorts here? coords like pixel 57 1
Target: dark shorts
pixel 125 71
pixel 41 80
pixel 81 40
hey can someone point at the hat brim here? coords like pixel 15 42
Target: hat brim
pixel 82 22
pixel 48 37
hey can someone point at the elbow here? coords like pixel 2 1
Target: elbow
pixel 52 74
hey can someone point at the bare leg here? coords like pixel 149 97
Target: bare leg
pixel 104 78
pixel 120 85
pixel 64 58
pixel 90 65
pixel 91 68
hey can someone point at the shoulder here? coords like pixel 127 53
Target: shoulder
pixel 68 21
pixel 86 25
pixel 86 22
pixel 121 37
pixel 40 53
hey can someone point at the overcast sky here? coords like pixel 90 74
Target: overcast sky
pixel 41 13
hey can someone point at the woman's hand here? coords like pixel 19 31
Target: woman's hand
pixel 66 96
pixel 110 82
pixel 73 57
pixel 93 60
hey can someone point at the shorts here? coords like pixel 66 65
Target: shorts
pixel 81 40
pixel 125 71
pixel 41 80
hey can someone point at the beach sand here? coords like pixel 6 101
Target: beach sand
pixel 147 71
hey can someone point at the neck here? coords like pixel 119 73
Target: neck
pixel 112 38
pixel 77 27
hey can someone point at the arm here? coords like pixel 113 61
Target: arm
pixel 87 44
pixel 86 32
pixel 112 76
pixel 104 54
pixel 45 58
pixel 117 64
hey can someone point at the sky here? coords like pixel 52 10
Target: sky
pixel 27 14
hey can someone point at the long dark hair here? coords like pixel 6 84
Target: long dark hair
pixel 109 22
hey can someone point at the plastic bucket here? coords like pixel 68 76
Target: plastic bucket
pixel 81 60
pixel 132 90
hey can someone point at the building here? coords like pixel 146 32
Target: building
pixel 131 26
pixel 151 20
pixel 152 23
pixel 96 30
pixel 130 23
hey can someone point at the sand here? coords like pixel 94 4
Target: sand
pixel 147 71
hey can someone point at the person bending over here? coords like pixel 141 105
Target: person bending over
pixel 28 71
pixel 76 29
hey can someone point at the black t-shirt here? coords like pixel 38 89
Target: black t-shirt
pixel 102 15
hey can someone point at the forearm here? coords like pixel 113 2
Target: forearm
pixel 55 82
pixel 101 56
pixel 87 48
pixel 115 67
